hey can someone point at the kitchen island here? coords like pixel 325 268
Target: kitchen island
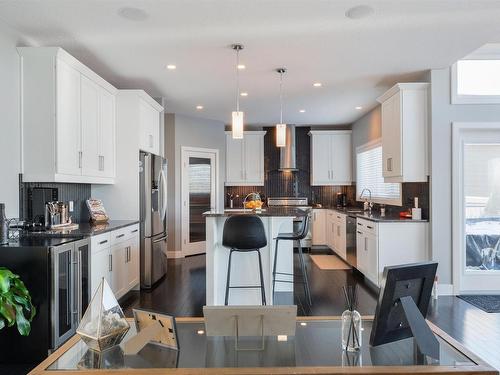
pixel 244 268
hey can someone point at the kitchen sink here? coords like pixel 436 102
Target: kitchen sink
pixel 355 211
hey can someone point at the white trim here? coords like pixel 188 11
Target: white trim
pixel 469 99
pixel 369 145
pixel 175 254
pixel 458 244
pixel 445 289
pixel 184 190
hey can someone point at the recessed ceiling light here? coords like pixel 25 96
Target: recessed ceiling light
pixel 171 67
pixel 359 11
pixel 359 107
pixel 302 110
pixel 199 107
pixel 303 324
pixel 241 66
pixel 200 332
pixel 133 14
pixel 244 94
pixel 317 84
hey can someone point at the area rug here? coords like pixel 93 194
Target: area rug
pixel 488 303
pixel 329 262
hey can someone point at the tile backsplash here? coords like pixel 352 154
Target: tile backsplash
pixel 78 193
pixel 297 184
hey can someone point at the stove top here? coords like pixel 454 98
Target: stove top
pixel 287 201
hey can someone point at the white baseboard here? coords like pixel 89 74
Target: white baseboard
pixel 174 254
pixel 445 289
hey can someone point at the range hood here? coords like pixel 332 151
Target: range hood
pixel 287 159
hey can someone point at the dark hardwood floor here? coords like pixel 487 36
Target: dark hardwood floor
pixel 182 291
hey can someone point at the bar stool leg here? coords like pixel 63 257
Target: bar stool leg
pixel 228 278
pixel 274 265
pixel 262 290
pixel 304 273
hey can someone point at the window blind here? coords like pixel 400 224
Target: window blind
pixel 369 176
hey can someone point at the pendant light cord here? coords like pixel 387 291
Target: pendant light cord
pixel 281 97
pixel 237 80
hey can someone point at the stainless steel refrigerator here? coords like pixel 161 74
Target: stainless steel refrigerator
pixel 153 206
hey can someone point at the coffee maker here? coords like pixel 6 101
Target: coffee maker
pixel 341 199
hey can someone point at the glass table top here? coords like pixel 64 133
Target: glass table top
pixel 316 343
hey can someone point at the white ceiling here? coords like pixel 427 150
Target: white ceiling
pixel 356 60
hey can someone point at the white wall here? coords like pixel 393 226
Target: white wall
pixel 442 115
pixel 189 132
pixel 10 144
pixel 364 130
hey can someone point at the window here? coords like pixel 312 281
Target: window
pixel 476 78
pixel 369 176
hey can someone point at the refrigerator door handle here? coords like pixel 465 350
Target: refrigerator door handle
pixel 162 238
pixel 163 191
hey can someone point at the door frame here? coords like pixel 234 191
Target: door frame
pixel 458 230
pixel 186 247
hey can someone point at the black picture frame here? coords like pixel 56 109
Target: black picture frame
pixel 414 280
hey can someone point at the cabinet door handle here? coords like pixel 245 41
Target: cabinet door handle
pixel 150 140
pixel 366 240
pixel 360 224
pixel 110 262
pixel 103 242
pixel 80 156
pixel 120 235
pixel 338 230
pixel 369 227
pixel 389 164
pixel 360 232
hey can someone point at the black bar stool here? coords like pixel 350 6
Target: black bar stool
pixel 295 237
pixel 243 234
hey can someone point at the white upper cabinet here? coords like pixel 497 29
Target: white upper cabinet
pixel 142 114
pixel 404 132
pixel 149 124
pixel 68 119
pixel 245 159
pixel 331 157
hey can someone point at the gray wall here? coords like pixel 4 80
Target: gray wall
pixel 10 143
pixel 364 130
pixel 185 131
pixel 442 115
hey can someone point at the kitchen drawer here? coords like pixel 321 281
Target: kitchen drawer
pixel 100 242
pixel 341 218
pixel 124 234
pixel 367 226
pixel 119 235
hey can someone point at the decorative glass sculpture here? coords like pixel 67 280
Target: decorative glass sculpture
pixel 351 321
pixel 103 325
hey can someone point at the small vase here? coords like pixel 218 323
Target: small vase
pixel 351 330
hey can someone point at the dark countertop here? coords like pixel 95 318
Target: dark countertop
pixel 85 229
pixel 38 241
pixel 390 217
pixel 266 212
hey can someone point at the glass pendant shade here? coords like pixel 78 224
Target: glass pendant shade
pixel 280 135
pixel 237 127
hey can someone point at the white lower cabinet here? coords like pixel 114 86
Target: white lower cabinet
pixel 389 244
pixel 339 234
pixel 318 227
pixel 115 256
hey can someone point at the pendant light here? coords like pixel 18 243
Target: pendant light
pixel 237 116
pixel 281 127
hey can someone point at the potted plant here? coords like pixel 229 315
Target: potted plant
pixel 15 302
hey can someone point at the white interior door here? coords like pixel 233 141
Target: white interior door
pixel 476 207
pixel 199 195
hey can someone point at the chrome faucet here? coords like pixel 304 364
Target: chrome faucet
pixel 368 205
